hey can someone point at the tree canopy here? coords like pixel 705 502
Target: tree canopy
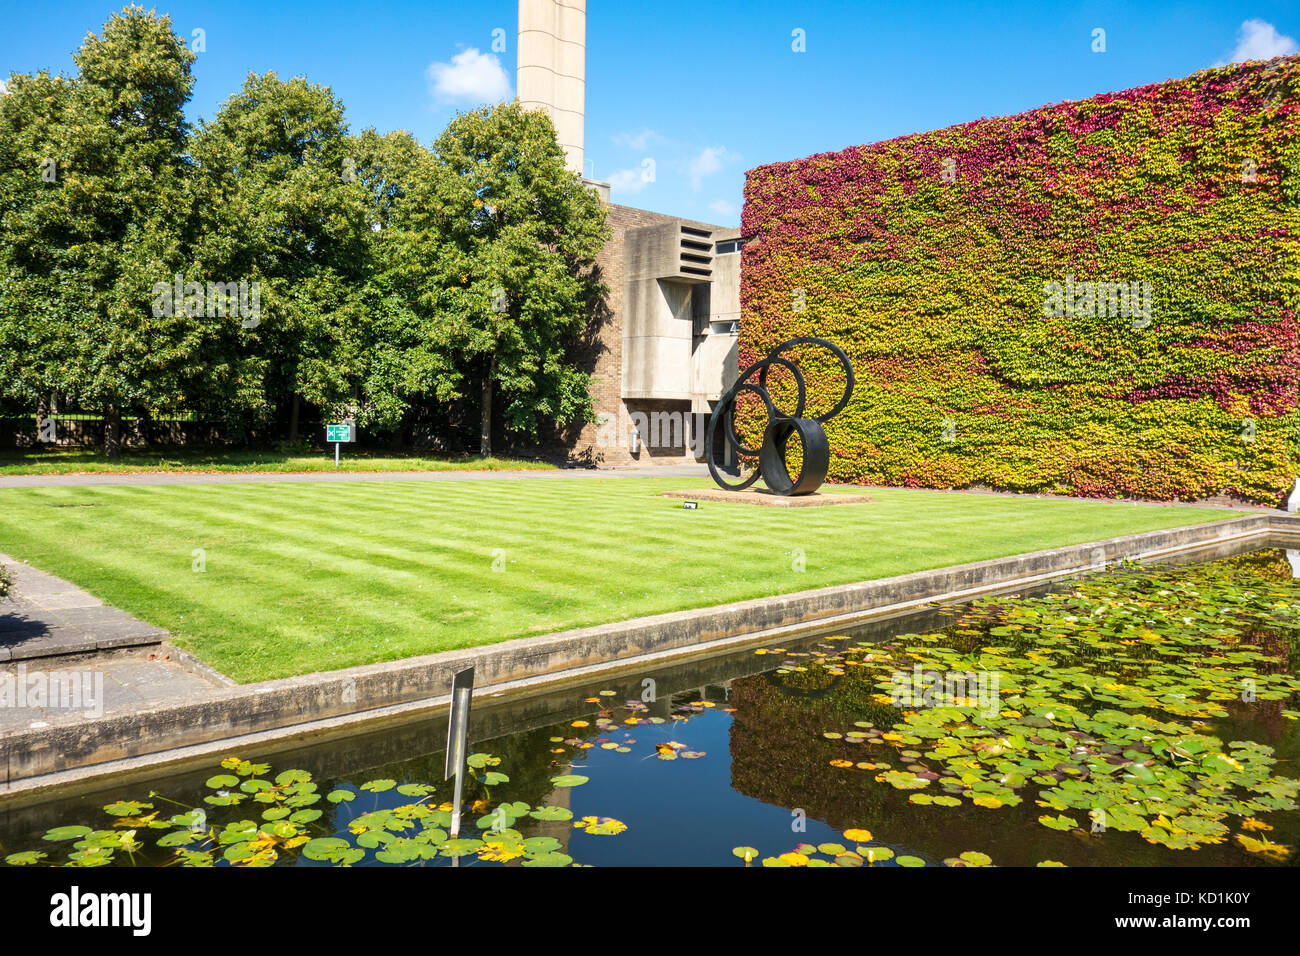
pixel 270 258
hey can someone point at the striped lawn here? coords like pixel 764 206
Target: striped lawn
pixel 313 576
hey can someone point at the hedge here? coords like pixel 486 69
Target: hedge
pixel 1094 298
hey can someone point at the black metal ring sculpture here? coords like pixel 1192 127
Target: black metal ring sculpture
pixel 781 427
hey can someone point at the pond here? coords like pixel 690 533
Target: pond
pixel 1136 716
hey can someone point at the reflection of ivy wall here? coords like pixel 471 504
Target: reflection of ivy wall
pixel 778 756
pixel 936 288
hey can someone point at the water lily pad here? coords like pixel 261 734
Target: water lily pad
pixel 67 833
pixel 1061 822
pixel 600 826
pixel 324 848
pixel 26 858
pixel 555 859
pixel 415 789
pixel 552 813
pixel 569 780
pixel 460 847
pixel 224 799
pixel 126 808
pixel 179 838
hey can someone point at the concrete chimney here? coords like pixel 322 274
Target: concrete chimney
pixel 552 67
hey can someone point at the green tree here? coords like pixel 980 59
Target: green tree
pixel 33 237
pixel 102 216
pixel 386 279
pixel 401 352
pixel 292 213
pixel 512 273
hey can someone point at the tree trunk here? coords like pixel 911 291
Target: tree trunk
pixel 485 422
pixel 43 410
pixel 293 420
pixel 113 434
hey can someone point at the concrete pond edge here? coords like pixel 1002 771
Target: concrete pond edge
pixel 73 748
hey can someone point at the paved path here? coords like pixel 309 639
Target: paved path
pixel 92 686
pixel 63 649
pixel 45 615
pixel 688 470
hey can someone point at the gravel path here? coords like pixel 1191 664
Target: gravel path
pixel 243 477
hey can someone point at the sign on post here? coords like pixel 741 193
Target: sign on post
pixel 462 687
pixel 338 434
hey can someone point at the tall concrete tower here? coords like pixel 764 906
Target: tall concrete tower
pixel 552 67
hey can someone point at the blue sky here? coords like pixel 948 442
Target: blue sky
pixel 706 90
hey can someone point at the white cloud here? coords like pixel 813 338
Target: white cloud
pixel 1260 40
pixel 638 140
pixel 3 88
pixel 470 77
pixel 707 162
pixel 721 207
pixel 631 180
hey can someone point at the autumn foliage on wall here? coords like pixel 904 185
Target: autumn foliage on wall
pixel 1093 298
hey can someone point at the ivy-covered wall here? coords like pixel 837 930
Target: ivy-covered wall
pixel 1093 298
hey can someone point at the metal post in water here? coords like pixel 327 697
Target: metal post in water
pixel 462 687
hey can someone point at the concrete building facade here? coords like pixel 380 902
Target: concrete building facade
pixel 666 347
pixel 551 71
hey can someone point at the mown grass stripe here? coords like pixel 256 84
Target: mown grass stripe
pixel 304 577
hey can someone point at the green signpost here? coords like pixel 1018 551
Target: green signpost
pixel 338 434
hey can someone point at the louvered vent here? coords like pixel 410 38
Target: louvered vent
pixel 696 259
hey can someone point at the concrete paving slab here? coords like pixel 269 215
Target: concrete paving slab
pixel 53 642
pixel 36 693
pixel 64 600
pixel 46 616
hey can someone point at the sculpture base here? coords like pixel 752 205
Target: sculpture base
pixel 748 497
